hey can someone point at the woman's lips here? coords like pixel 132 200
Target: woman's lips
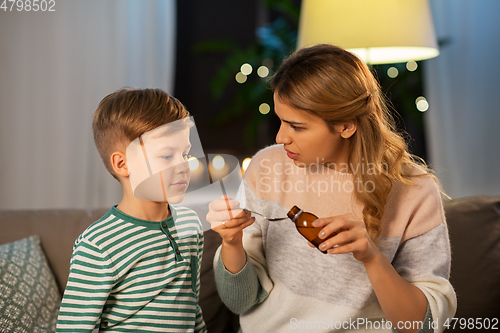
pixel 291 155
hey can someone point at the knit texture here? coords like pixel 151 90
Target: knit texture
pixel 308 286
pixel 132 275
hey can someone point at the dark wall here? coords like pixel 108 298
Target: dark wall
pixel 200 21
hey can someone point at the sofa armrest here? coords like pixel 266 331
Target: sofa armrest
pixel 474 227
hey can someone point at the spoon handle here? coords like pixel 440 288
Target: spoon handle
pixel 267 218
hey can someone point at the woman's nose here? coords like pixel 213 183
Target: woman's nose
pixel 282 136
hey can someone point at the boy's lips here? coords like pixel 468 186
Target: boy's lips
pixel 180 184
pixel 291 155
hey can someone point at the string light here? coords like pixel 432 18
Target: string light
pixel 246 69
pixel 264 108
pixel 263 71
pixel 422 104
pixel 240 77
pixel 411 66
pixel 392 72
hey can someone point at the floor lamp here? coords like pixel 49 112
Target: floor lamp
pixel 378 31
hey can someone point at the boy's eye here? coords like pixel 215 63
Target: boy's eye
pixel 184 156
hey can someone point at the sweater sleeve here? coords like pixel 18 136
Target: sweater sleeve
pixel 254 236
pixel 90 281
pixel 238 291
pixel 251 285
pixel 423 257
pixel 424 261
pixel 426 323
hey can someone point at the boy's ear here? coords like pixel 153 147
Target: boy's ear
pixel 119 164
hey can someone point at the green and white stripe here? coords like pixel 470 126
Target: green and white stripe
pixel 131 275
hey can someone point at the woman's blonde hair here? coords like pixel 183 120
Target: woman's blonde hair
pixel 335 85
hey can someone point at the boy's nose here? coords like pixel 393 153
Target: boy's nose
pixel 182 167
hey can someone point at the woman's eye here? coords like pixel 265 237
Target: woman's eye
pixel 166 157
pixel 296 128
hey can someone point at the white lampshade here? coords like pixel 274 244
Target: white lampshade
pixel 378 31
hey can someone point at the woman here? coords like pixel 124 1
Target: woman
pixel 339 157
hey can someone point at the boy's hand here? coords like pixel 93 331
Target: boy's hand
pixel 228 219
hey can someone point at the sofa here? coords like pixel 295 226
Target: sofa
pixel 36 247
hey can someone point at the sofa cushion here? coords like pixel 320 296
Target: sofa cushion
pixel 29 297
pixel 474 227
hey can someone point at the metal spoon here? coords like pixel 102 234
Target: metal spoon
pixel 267 218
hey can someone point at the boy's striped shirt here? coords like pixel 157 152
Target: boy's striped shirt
pixel 132 275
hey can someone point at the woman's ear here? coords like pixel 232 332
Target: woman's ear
pixel 347 128
pixel 119 164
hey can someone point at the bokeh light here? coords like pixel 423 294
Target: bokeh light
pixel 246 69
pixel 264 108
pixel 411 66
pixel 392 72
pixel 218 162
pixel 263 71
pixel 194 164
pixel 422 104
pixel 241 78
pixel 246 163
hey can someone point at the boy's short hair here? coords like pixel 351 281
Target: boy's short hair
pixel 128 113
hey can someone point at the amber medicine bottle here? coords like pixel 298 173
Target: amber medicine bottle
pixel 303 222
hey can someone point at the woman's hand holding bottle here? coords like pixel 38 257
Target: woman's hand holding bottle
pixel 349 236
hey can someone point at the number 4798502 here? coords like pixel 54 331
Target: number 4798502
pixel 471 323
pixel 28 5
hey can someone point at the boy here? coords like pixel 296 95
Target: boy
pixel 137 268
